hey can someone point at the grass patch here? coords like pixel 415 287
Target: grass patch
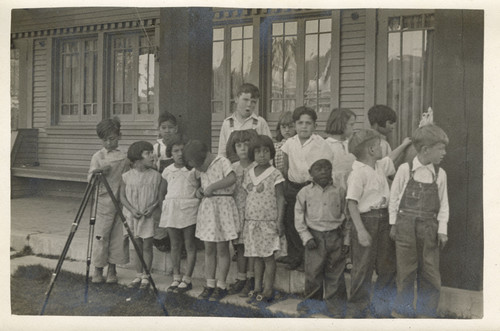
pixel 29 283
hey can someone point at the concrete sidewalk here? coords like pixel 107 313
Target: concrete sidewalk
pixel 44 224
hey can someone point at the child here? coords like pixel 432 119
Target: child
pixel 264 213
pixel 239 142
pixel 140 197
pixel 419 213
pixel 217 222
pixel 180 207
pixel 167 127
pixel 339 128
pixel 319 215
pixel 243 117
pixel 299 152
pixel 367 201
pixel 382 119
pixel 110 246
pixel 284 130
pixel 167 131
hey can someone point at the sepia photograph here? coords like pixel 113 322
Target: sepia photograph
pixel 309 165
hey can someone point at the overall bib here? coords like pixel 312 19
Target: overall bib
pixel 417 249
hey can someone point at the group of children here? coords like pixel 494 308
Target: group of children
pixel 312 203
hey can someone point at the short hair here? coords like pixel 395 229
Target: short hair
pixel 338 119
pixel 285 118
pixel 108 126
pixel 135 150
pixel 303 110
pixel 321 163
pixel 166 117
pixel 239 136
pixel 177 140
pixel 361 140
pixel 248 88
pixel 261 141
pixel 428 135
pixel 380 114
pixel 195 151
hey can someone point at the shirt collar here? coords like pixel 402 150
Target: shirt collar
pixel 252 116
pixel 330 184
pixel 417 164
pixel 311 138
pixel 109 152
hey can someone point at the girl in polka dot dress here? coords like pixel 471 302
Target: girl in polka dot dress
pixel 264 213
pixel 217 220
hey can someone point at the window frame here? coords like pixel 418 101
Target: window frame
pixel 135 116
pixel 300 59
pixel 382 57
pixel 57 82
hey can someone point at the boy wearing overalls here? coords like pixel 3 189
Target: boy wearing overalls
pixel 418 213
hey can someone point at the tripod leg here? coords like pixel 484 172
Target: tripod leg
pixel 93 213
pixel 74 227
pixel 131 236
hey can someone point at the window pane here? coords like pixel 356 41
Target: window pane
pixel 237 32
pixel 277 29
pixel 218 72
pixel 412 22
pixel 325 25
pixel 247 58
pixel 324 71
pixel 290 68
pixel 118 77
pixel 236 66
pixel 290 28
pixel 394 24
pixel 75 78
pixel 429 20
pixel 248 31
pixel 277 69
pixel 393 70
pixel 312 26
pixel 311 70
pixel 218 34
pixel 217 107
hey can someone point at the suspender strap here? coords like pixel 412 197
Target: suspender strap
pixel 231 123
pixel 254 123
pixel 159 154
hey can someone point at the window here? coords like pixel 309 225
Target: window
pixel 300 64
pixel 409 67
pixel 232 65
pixel 77 80
pixel 119 80
pixel 14 88
pixel 297 68
pixel 132 76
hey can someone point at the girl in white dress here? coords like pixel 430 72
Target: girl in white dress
pixel 217 220
pixel 179 211
pixel 264 212
pixel 238 143
pixel 140 197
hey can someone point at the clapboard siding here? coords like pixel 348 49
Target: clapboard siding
pixel 352 64
pixel 24 20
pixel 40 83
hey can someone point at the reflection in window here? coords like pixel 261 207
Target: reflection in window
pixel 218 71
pixel 284 66
pixel 77 96
pixel 317 67
pixel 409 67
pixel 241 57
pixel 146 79
pixel 14 88
pixel 133 76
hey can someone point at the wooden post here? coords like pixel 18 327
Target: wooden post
pixel 186 69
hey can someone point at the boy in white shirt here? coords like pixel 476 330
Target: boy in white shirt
pixel 367 201
pixel 243 118
pixel 299 153
pixel 418 214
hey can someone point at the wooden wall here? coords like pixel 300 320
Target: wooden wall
pixel 458 86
